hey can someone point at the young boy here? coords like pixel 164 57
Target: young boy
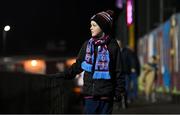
pixel 100 59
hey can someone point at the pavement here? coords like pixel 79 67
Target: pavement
pixel 165 104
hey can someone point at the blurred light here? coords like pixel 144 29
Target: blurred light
pixel 69 62
pixel 7 28
pixel 119 4
pixel 129 12
pixel 35 66
pixel 60 66
pixel 77 90
pixel 33 63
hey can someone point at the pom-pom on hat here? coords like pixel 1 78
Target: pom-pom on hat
pixel 105 20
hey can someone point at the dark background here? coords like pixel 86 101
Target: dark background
pixel 34 23
pixel 148 14
pixel 59 27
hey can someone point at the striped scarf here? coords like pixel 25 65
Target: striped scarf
pixel 101 70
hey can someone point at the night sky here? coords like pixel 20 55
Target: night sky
pixel 36 22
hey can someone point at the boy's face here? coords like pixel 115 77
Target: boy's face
pixel 95 29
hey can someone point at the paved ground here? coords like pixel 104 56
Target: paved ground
pixel 164 105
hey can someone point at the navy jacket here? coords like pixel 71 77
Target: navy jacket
pixel 101 87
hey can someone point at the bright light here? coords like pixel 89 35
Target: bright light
pixel 7 28
pixel 34 63
pixel 35 66
pixel 70 61
pixel 129 12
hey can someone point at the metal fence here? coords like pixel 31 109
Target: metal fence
pixel 29 93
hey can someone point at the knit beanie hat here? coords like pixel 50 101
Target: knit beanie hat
pixel 105 20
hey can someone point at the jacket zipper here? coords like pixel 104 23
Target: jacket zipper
pixel 93 89
pixel 94 63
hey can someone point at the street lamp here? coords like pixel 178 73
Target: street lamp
pixel 6 29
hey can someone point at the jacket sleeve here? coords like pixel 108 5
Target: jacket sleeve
pixel 120 78
pixel 76 67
